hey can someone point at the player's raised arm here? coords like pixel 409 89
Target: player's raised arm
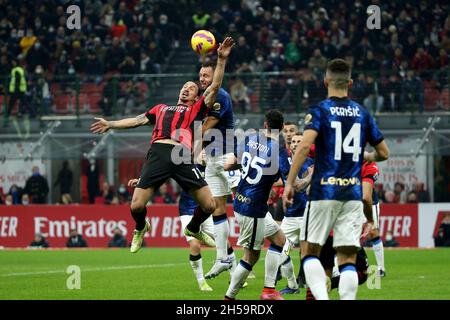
pixel 223 52
pixel 309 136
pixel 102 125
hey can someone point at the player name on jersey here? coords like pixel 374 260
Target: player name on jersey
pixel 345 111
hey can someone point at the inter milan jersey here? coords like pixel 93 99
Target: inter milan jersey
pixel 300 198
pixel 176 122
pixel 222 109
pixel 187 204
pixel 370 173
pixel 264 161
pixel 343 128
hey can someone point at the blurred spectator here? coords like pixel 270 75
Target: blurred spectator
pixel 9 200
pixel 16 194
pixel 37 187
pixel 17 87
pixel 422 194
pixel 317 62
pixel 200 19
pixel 25 200
pixel 64 179
pixel 117 240
pixel 391 91
pixel 440 239
pixel 110 90
pixel 27 41
pixel 163 196
pixel 413 93
pixel 107 193
pixel 66 199
pixel 93 180
pixel 41 91
pixel 39 241
pixel 389 240
pixel 123 194
pixel 239 95
pixel 422 60
pixel 412 197
pixel 399 193
pixel 374 101
pixel 76 240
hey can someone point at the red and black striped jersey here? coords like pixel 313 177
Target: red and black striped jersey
pixel 176 122
pixel 370 172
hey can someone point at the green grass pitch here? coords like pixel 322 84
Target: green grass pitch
pixel 160 274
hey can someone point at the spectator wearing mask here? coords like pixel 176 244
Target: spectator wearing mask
pixel 123 194
pixel 76 240
pixel 163 196
pixel 9 200
pixel 37 187
pixel 25 200
pixel 107 193
pixel 117 240
pixel 399 193
pixel 390 241
pixel 39 242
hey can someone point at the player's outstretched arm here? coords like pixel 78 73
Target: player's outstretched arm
pixel 381 153
pixel 102 125
pixel 309 136
pixel 223 52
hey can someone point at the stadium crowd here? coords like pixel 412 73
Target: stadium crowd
pixel 394 66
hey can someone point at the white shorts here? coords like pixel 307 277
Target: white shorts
pixel 291 227
pixel 252 230
pixel 343 217
pixel 207 226
pixel 220 181
pixel 271 227
pixel 375 216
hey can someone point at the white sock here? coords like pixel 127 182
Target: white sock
pixel 221 231
pixel 197 267
pixel 348 283
pixel 316 279
pixel 238 278
pixel 378 249
pixel 287 271
pixel 232 256
pixel 272 263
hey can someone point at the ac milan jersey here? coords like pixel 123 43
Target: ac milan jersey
pixel 176 122
pixel 264 161
pixel 343 128
pixel 370 173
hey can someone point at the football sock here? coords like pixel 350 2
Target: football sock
pixel 377 246
pixel 348 283
pixel 139 218
pixel 238 278
pixel 221 231
pixel 287 271
pixel 232 256
pixel 272 264
pixel 197 219
pixel 316 279
pixel 197 266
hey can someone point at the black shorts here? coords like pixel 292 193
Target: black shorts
pixel 159 167
pixel 328 252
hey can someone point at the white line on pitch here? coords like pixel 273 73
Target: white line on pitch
pixel 145 266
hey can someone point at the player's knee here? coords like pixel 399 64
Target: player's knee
pixel 194 247
pixel 137 206
pixel 374 233
pixel 209 206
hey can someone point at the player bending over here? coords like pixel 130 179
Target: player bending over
pixel 171 140
pixel 340 128
pixel 264 159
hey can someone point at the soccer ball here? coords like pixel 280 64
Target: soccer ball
pixel 203 42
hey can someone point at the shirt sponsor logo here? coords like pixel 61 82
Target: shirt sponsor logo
pixel 174 108
pixel 340 181
pixel 242 198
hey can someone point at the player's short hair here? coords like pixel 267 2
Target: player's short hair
pixel 298 133
pixel 338 73
pixel 274 119
pixel 209 64
pixel 290 123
